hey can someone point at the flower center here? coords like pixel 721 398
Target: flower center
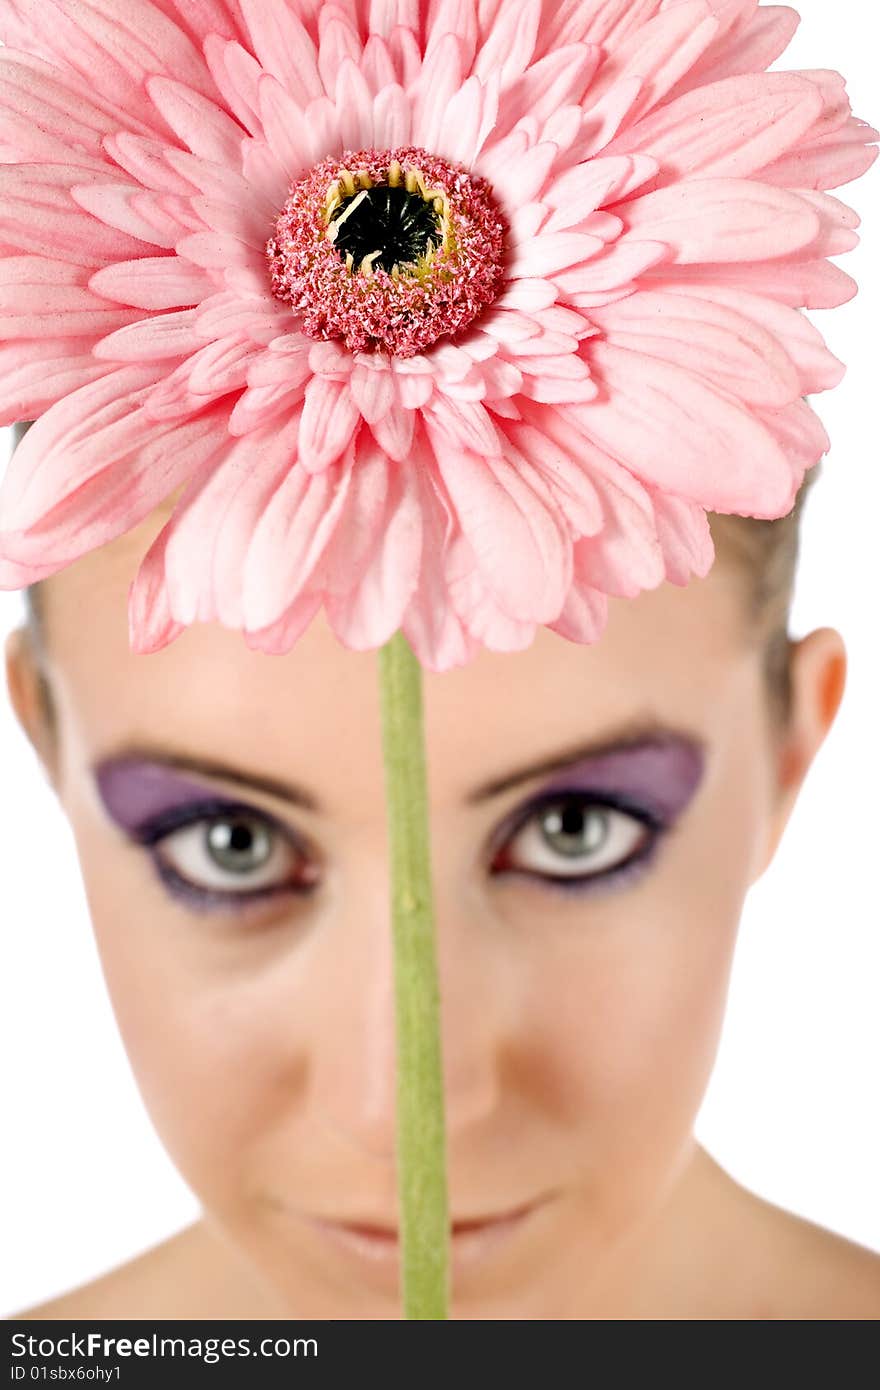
pixel 388 250
pixel 385 224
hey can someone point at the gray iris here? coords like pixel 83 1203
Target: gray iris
pixel 239 845
pixel 573 829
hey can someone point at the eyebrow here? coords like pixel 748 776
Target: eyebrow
pixel 278 787
pixel 636 732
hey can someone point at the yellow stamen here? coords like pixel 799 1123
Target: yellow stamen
pixel 334 230
pixel 394 172
pixel 346 178
pixel 367 262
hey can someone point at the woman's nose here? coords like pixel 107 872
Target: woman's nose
pixel 354 1067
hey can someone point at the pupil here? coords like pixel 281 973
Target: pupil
pixel 396 223
pixel 237 845
pixel 580 829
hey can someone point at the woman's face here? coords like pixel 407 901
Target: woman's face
pixel 229 813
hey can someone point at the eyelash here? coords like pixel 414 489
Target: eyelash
pixel 151 836
pixel 618 875
pixel 205 899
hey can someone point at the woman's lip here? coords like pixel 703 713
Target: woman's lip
pixel 469 1239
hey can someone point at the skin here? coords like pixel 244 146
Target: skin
pixel 579 1032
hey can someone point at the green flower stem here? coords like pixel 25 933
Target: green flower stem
pixel 421 1137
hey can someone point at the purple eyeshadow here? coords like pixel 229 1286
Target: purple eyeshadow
pixel 657 776
pixel 137 792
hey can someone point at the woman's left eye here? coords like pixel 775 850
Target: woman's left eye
pixel 574 837
pixel 231 855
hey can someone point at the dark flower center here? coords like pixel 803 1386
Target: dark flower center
pixel 388 250
pixel 387 225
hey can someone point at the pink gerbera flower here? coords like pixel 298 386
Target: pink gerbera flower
pixel 452 317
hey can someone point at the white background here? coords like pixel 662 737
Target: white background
pixel 792 1108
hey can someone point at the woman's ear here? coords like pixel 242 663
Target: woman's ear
pixel 31 701
pixel 818 678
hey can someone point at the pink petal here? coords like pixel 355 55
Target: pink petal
pixel 837 159
pixel 150 339
pixel 717 339
pixel 559 78
pixel 144 160
pixel 553 251
pixel 236 74
pixel 462 424
pixel 471 109
pixel 225 184
pixel 727 130
pixel 674 431
pixel 562 470
pixel 755 42
pixel 281 636
pixel 659 53
pixel 114 204
pixel 392 117
pixel 582 188
pixel 47 120
pixel 153 282
pixel 283 46
pixel 522 550
pixel 605 117
pixel 74 500
pixel 394 433
pixel 527 295
pixel 329 419
pixel 801 435
pixel 377 65
pixel 477 606
pixel 349 549
pixel 510 42
pixel 439 80
pixel 722 220
pixel 290 538
pixel 36 374
pixel 372 611
pixel 451 19
pixel 816 368
pixel 210 531
pixel 813 284
pixel 624 556
pixel 150 623
pixel 112 49
pixel 594 21
pixel 616 267
pixel 684 536
pixel 38 216
pixel 584 614
pixel 339 44
pixel 201 125
pixel 837 223
pixel 218 251
pixel 57 454
pixel 354 106
pixel 372 389
pixel 43 297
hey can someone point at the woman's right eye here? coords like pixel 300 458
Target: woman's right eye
pixel 574 838
pixel 230 858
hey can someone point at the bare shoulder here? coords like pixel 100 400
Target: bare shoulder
pixel 827 1276
pixel 184 1276
pixel 790 1268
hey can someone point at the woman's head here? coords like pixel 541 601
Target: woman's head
pixel 580 1021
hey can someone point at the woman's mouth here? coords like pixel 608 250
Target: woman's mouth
pixel 471 1239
